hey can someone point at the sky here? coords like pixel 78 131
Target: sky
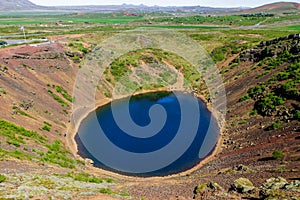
pixel 210 3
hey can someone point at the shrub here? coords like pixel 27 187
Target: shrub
pixel 244 98
pixel 277 154
pixel 46 128
pixel 48 124
pixel 70 44
pixel 261 75
pixel 268 103
pixel 297 115
pixel 274 126
pixel 253 92
pixel 283 76
pixel 2 91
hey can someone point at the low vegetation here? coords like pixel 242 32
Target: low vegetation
pixel 2 178
pixel 240 20
pixel 277 154
pixel 17 136
pixel 2 91
pixel 279 89
pixel 85 177
pixel 58 99
pixel 120 69
pixel 12 131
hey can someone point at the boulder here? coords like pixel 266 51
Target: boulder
pixel 293 186
pixel 205 187
pixel 275 183
pixel 243 185
pixel 205 190
pixel 88 161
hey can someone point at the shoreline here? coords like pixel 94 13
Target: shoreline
pixel 73 129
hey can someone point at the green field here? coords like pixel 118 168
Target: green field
pixel 65 18
pixel 294 28
pixel 185 27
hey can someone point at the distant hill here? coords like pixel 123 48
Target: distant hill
pixel 275 8
pixel 144 8
pixel 278 8
pixel 11 5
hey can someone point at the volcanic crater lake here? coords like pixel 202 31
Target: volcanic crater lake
pixel 152 134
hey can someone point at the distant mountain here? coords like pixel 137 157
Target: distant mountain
pixel 144 8
pixel 19 5
pixel 11 5
pixel 278 8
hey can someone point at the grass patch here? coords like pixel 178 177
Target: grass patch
pixel 47 126
pixel 2 178
pixel 84 177
pixel 185 27
pixel 106 191
pixel 14 154
pixel 13 142
pixel 109 191
pixel 121 67
pixel 58 99
pixel 10 130
pixel 21 112
pixel 63 92
pixel 57 154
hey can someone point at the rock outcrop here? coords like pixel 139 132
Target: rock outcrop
pixel 271 48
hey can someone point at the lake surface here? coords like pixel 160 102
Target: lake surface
pixel 154 134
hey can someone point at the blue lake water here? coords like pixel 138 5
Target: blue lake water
pixel 167 134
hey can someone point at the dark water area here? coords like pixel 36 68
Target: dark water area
pixel 101 137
